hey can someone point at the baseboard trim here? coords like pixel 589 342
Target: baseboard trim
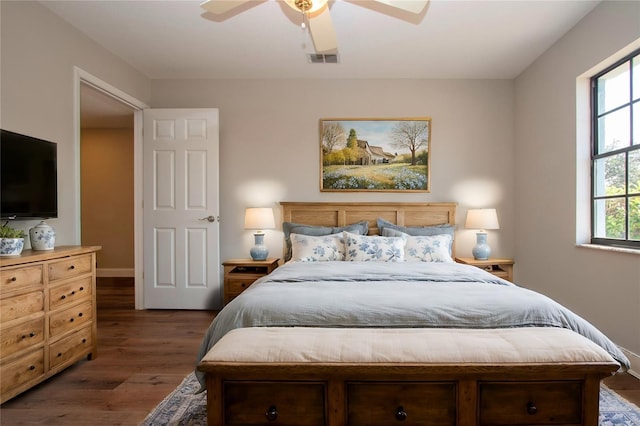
pixel 635 363
pixel 115 272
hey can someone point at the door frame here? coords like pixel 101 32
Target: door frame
pixel 80 77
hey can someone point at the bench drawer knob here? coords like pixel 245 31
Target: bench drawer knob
pixel 272 414
pixel 401 415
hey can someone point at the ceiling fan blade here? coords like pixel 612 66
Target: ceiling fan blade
pixel 322 32
pixel 413 6
pixel 219 7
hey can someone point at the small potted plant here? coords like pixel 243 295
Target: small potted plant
pixel 11 240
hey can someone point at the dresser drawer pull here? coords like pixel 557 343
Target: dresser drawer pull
pixel 59 354
pixel 71 319
pixel 81 288
pixel 14 279
pixel 531 408
pixel 32 367
pixel 32 334
pixel 401 415
pixel 80 314
pixel 272 414
pixel 72 267
pixel 63 297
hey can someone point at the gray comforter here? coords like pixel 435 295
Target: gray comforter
pixel 400 295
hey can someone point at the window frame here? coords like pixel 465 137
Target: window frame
pixel 634 146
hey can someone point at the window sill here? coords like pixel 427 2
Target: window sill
pixel 610 248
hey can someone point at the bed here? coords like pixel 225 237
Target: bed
pixel 413 289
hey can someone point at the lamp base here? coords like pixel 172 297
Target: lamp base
pixel 259 251
pixel 481 251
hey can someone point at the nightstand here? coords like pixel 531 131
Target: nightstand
pixel 239 274
pixel 502 268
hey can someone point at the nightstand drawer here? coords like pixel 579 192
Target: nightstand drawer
pixel 240 284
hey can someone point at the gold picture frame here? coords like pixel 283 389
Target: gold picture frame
pixel 375 154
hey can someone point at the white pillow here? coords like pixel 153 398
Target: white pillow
pixel 363 248
pixel 307 248
pixel 432 248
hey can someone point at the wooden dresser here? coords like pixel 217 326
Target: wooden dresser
pixel 47 314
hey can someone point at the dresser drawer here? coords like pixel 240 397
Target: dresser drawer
pixel 371 404
pixel 12 279
pixel 283 403
pixel 540 403
pixel 20 306
pixel 70 267
pixel 24 369
pixel 21 336
pixel 70 347
pixel 70 292
pixel 70 318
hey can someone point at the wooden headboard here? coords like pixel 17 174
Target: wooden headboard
pixel 341 214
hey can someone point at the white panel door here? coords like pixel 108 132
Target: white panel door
pixel 181 230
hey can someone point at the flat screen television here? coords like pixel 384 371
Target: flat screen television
pixel 29 177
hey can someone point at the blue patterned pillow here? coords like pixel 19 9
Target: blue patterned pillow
pixel 427 248
pixel 289 228
pixel 306 248
pixel 363 248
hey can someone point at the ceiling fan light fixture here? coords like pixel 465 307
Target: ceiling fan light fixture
pixel 310 7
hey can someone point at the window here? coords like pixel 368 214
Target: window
pixel 615 160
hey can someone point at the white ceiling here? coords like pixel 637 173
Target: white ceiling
pixel 450 39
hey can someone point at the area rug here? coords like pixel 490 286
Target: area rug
pixel 183 407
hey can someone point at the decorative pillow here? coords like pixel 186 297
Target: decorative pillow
pixel 385 228
pixel 305 248
pixel 428 248
pixel 363 248
pixel 298 228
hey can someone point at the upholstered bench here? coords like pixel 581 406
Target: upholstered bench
pixel 322 376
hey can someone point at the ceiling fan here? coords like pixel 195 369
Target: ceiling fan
pixel 317 14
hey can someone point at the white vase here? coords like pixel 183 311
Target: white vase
pixel 42 236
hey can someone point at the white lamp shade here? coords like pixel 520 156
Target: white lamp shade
pixel 259 218
pixel 482 219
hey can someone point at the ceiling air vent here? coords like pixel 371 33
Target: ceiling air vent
pixel 319 58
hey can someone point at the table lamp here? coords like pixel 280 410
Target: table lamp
pixel 481 219
pixel 259 218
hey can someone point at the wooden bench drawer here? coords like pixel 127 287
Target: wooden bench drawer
pixel 372 404
pixel 22 370
pixel 283 403
pixel 540 403
pixel 17 278
pixel 20 306
pixel 70 347
pixel 71 318
pixel 71 267
pixel 70 292
pixel 22 336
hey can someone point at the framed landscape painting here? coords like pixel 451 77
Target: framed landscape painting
pixel 375 154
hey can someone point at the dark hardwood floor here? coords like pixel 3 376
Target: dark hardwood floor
pixel 142 357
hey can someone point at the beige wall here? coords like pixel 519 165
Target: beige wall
pixel 39 53
pixel 269 144
pixel 552 163
pixel 107 196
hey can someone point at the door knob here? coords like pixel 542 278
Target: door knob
pixel 209 218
